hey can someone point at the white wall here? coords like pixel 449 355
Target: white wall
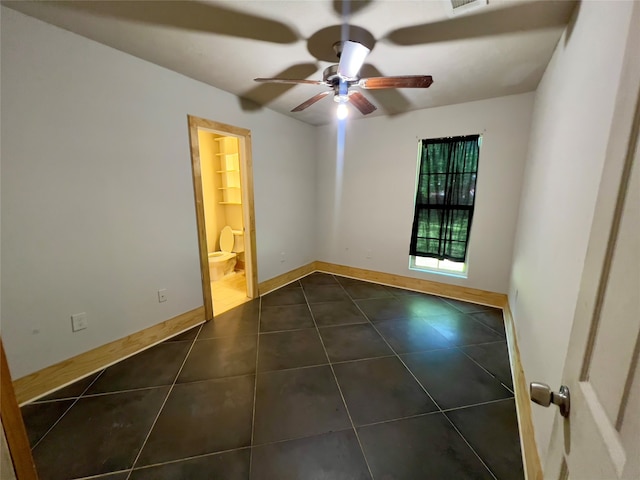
pixel 97 198
pixel 376 197
pixel 572 117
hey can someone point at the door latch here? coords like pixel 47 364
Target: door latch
pixel 542 394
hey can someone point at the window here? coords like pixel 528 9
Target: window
pixel 445 199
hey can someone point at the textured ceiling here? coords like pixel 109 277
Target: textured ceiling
pixel 497 50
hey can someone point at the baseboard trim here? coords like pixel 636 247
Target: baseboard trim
pixel 530 457
pixel 51 378
pixel 466 294
pixel 286 278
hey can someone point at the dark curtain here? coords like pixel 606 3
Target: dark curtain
pixel 445 198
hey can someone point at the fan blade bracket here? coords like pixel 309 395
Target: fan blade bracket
pixel 402 81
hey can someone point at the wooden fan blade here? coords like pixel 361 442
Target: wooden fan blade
pixel 403 81
pixel 361 103
pixel 311 101
pixel 289 81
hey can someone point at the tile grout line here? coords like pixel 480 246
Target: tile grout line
pixel 335 379
pixel 425 390
pixel 459 348
pixel 155 420
pixel 67 410
pixel 394 352
pixel 255 390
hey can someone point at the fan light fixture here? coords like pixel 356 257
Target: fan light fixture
pixel 342 111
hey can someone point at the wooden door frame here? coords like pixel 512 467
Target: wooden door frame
pixel 13 425
pixel 248 212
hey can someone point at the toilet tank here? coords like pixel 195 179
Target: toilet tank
pixel 238 241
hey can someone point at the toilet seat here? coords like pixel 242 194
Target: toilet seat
pixel 226 239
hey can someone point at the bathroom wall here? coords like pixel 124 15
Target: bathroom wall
pixel 365 207
pixel 574 107
pixel 214 213
pixel 98 209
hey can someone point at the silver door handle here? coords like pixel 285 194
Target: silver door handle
pixel 542 395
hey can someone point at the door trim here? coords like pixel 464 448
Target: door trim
pixel 248 212
pixel 13 425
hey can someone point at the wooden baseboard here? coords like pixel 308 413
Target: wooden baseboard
pixel 465 294
pixel 51 378
pixel 530 457
pixel 281 280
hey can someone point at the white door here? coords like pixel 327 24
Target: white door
pixel 600 440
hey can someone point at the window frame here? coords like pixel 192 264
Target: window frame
pixel 441 264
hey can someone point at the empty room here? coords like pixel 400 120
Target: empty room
pixel 364 239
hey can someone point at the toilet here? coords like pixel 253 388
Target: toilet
pixel 223 262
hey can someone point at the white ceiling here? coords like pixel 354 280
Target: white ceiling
pixel 498 50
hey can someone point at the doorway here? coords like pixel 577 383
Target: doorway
pixel 223 190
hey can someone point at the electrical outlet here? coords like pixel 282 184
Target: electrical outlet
pixel 282 257
pixel 162 295
pixel 369 254
pixel 78 321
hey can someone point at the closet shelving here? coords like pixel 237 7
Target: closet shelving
pixel 229 171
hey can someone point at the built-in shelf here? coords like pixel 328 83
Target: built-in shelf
pixel 227 171
pixel 227 188
pixel 225 154
pixel 230 203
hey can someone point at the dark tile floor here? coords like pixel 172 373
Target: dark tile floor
pixel 326 378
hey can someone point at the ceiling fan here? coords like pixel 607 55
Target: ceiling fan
pixel 344 76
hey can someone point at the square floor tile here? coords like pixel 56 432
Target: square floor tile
pixel 364 290
pixel 419 448
pixel 113 476
pixel 494 357
pixel 110 441
pixel 332 456
pixel 232 465
pixel 337 313
pixel 498 445
pixel 401 292
pixel 325 293
pixel 381 389
pixel 492 319
pixel 466 307
pixel 411 335
pixel 220 357
pixel 240 320
pixel 202 417
pixel 74 390
pixel 297 348
pixel 153 367
pixel 39 417
pixel 297 403
pixel 462 329
pixel 187 336
pixel 424 305
pixel 288 295
pixel 352 342
pixel 380 309
pixel 318 278
pixel 452 379
pixel 291 317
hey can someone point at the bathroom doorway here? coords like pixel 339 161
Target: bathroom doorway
pixel 223 190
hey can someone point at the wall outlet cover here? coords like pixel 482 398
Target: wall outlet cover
pixel 79 321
